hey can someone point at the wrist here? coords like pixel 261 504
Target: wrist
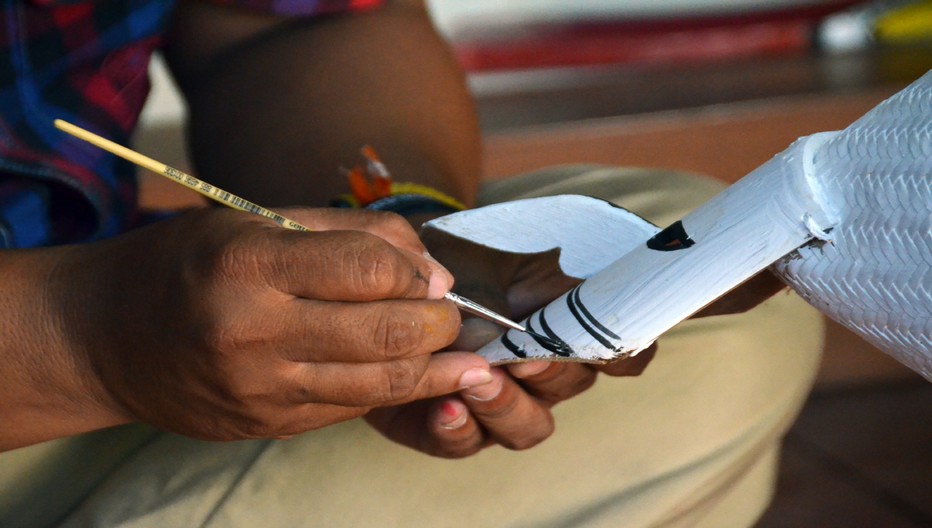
pixel 51 390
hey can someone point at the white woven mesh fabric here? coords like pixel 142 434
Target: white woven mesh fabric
pixel 876 275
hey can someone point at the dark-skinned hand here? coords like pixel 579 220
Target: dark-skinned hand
pixel 221 325
pixel 514 409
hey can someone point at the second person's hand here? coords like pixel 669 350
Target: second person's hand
pixel 514 409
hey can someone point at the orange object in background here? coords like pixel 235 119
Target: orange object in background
pixel 370 183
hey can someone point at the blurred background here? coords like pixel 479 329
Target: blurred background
pixel 709 86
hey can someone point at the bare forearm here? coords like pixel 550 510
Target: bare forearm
pixel 206 337
pixel 46 391
pixel 274 118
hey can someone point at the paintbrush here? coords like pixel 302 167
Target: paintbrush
pixel 231 200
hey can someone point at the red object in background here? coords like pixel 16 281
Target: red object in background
pixel 645 41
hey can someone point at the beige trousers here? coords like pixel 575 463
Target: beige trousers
pixel 694 441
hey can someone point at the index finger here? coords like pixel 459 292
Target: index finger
pixel 363 332
pixel 347 266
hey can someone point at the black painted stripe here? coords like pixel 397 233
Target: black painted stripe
pixel 567 350
pixel 554 345
pixel 589 316
pixel 509 344
pixel 579 318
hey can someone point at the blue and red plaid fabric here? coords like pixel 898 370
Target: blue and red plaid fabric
pixel 85 62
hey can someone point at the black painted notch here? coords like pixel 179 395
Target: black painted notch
pixel 672 238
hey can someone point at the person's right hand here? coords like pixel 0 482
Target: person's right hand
pixel 221 325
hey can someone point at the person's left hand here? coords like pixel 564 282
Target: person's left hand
pixel 514 409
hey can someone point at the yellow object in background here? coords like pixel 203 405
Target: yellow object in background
pixel 912 23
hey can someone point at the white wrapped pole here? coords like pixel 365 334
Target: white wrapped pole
pixel 845 218
pixel 876 276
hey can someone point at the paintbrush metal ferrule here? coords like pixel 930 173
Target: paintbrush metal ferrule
pixel 477 309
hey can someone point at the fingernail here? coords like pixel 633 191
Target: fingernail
pixel 484 392
pixel 452 415
pixel 526 370
pixel 474 378
pixel 437 287
pixel 441 280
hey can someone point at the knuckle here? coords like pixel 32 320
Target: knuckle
pixel 218 337
pixel 453 444
pixel 244 394
pixel 231 256
pixel 375 268
pixel 394 222
pixel 529 439
pixel 260 421
pixel 225 335
pixel 299 384
pixel 302 393
pixel 396 334
pixel 261 426
pixel 586 381
pixel 501 408
pixel 212 426
pixel 575 385
pixel 401 378
pixel 555 371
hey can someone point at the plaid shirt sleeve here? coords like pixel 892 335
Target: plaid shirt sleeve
pixel 302 7
pixel 86 62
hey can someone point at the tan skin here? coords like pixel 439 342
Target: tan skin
pixel 234 328
pixel 219 325
pixel 513 410
pixel 383 78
